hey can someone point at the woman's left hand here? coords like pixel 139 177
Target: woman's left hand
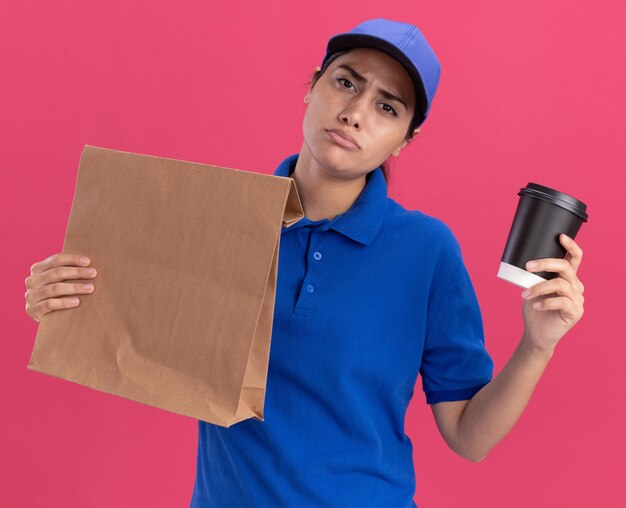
pixel 560 300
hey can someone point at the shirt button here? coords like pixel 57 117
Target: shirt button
pixel 317 255
pixel 310 288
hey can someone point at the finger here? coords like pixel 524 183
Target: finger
pixel 567 306
pixel 59 289
pixel 560 266
pixel 60 259
pixel 61 273
pixel 556 286
pixel 45 306
pixel 574 252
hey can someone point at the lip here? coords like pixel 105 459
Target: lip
pixel 343 139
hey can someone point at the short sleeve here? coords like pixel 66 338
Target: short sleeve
pixel 455 364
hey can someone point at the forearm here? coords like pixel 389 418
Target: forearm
pixel 493 411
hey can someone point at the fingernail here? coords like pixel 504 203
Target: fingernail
pixel 84 261
pixel 566 238
pixel 531 264
pixel 525 293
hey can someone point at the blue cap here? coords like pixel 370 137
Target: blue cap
pixel 405 43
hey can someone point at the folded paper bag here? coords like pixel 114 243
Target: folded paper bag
pixel 187 256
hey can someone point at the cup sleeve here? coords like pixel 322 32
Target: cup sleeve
pixel 455 363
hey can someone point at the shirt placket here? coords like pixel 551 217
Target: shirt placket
pixel 312 282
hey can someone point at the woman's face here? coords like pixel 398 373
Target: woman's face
pixel 361 108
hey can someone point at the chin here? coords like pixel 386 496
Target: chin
pixel 336 160
pixel 338 153
pixel 333 160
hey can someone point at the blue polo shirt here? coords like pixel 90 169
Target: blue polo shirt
pixel 364 303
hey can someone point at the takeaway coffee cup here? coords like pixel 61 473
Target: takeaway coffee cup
pixel 542 215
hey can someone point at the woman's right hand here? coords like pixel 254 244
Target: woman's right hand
pixel 45 288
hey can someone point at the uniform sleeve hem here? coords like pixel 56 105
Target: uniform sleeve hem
pixel 432 397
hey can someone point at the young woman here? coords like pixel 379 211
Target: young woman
pixel 369 296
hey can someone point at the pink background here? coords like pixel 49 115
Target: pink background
pixel 530 91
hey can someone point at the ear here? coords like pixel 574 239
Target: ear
pixel 397 151
pixel 308 94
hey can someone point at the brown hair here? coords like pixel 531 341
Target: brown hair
pixel 412 124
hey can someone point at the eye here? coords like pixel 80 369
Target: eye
pixel 393 111
pixel 390 110
pixel 343 79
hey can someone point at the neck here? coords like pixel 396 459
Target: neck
pixel 323 195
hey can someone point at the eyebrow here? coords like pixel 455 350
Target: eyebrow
pixel 362 79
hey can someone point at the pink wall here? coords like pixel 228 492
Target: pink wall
pixel 530 91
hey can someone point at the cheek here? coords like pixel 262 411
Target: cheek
pixel 316 116
pixel 385 134
pixel 308 121
pixel 391 135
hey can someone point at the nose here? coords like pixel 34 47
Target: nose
pixel 345 119
pixel 354 113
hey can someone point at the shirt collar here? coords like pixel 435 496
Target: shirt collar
pixel 364 218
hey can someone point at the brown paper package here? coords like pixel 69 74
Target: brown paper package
pixel 187 256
